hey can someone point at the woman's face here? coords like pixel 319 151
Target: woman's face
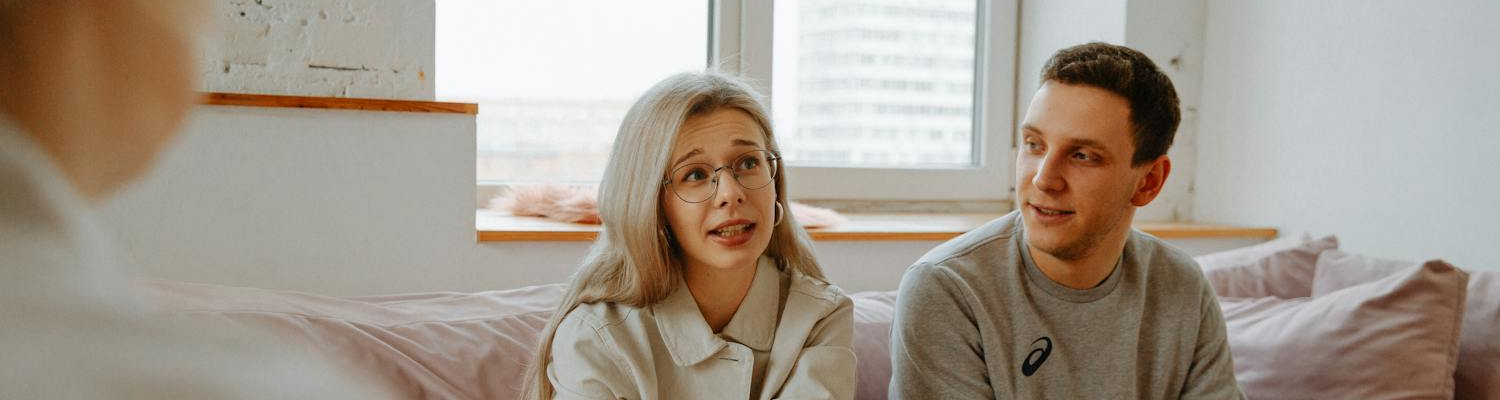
pixel 732 226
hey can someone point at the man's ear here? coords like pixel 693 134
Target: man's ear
pixel 1152 182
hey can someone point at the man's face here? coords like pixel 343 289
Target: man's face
pixel 1075 184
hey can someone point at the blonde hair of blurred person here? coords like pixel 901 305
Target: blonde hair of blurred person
pixel 635 262
pixel 91 92
pixel 101 85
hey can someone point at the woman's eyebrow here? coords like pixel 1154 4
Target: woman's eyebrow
pixel 745 142
pixel 689 154
pixel 737 143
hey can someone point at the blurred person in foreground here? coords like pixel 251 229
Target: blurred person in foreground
pixel 91 91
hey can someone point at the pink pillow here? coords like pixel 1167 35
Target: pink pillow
pixel 1248 254
pixel 426 346
pixel 873 312
pixel 1392 338
pixel 1478 375
pixel 1277 268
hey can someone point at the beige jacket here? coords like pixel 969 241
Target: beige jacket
pixel 667 351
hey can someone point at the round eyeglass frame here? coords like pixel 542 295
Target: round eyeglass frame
pixel 773 159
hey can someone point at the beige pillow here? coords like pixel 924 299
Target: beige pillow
pixel 1280 268
pixel 1478 374
pixel 1394 338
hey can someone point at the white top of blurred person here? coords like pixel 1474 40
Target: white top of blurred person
pixel 90 93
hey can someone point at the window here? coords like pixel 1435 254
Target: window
pixel 871 99
pixel 554 78
pixel 886 99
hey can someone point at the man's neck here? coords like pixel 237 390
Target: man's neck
pixel 1084 272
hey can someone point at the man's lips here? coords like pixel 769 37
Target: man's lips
pixel 1050 211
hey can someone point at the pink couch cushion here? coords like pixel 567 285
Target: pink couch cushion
pixel 450 345
pixel 1280 268
pixel 1478 374
pixel 427 346
pixel 1396 337
pixel 873 312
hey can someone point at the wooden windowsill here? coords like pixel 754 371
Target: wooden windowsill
pixel 337 103
pixel 501 227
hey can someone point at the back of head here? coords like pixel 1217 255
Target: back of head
pixel 101 85
pixel 1154 112
pixel 634 261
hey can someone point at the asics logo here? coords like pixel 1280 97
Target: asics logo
pixel 1037 356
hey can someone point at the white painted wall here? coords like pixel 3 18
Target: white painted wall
pixel 382 49
pixel 1377 121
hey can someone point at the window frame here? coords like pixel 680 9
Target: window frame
pixel 740 42
pixel 742 32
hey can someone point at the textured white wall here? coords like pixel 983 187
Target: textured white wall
pixel 332 48
pixel 1377 121
pixel 1171 33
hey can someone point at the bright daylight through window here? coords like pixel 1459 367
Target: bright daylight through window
pixel 871 83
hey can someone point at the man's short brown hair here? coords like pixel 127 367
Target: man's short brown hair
pixel 1154 112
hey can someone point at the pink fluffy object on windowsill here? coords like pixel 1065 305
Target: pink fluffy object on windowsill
pixel 578 204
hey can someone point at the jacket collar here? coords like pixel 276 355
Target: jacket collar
pixel 688 336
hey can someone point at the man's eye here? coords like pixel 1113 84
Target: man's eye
pixel 1081 156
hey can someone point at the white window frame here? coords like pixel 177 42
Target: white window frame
pixel 742 32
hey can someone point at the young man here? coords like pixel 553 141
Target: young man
pixel 1062 299
pixel 90 93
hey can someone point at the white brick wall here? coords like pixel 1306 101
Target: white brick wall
pixel 336 48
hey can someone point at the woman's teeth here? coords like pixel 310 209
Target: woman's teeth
pixel 732 230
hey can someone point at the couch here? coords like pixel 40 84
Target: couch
pixel 1305 321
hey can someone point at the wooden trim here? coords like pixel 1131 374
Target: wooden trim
pixel 337 103
pixel 1180 230
pixel 493 227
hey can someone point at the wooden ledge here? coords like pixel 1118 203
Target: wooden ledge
pixel 500 227
pixel 337 103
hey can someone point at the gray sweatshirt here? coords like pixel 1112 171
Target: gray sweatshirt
pixel 976 319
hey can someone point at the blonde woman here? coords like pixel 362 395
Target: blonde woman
pixel 702 284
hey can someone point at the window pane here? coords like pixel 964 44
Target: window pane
pixel 554 78
pixel 875 83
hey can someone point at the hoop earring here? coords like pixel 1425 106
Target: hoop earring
pixel 779 214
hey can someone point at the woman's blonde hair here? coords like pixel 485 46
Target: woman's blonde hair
pixel 633 262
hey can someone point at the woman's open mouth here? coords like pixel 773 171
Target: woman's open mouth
pixel 733 233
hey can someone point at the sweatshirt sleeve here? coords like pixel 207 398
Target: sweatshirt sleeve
pixel 936 350
pixel 1212 373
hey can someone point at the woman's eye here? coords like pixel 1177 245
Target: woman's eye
pixel 1030 145
pixel 694 175
pixel 748 163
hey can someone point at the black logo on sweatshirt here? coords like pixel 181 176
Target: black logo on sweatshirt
pixel 1037 356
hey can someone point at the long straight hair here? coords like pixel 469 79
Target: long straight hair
pixel 633 262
